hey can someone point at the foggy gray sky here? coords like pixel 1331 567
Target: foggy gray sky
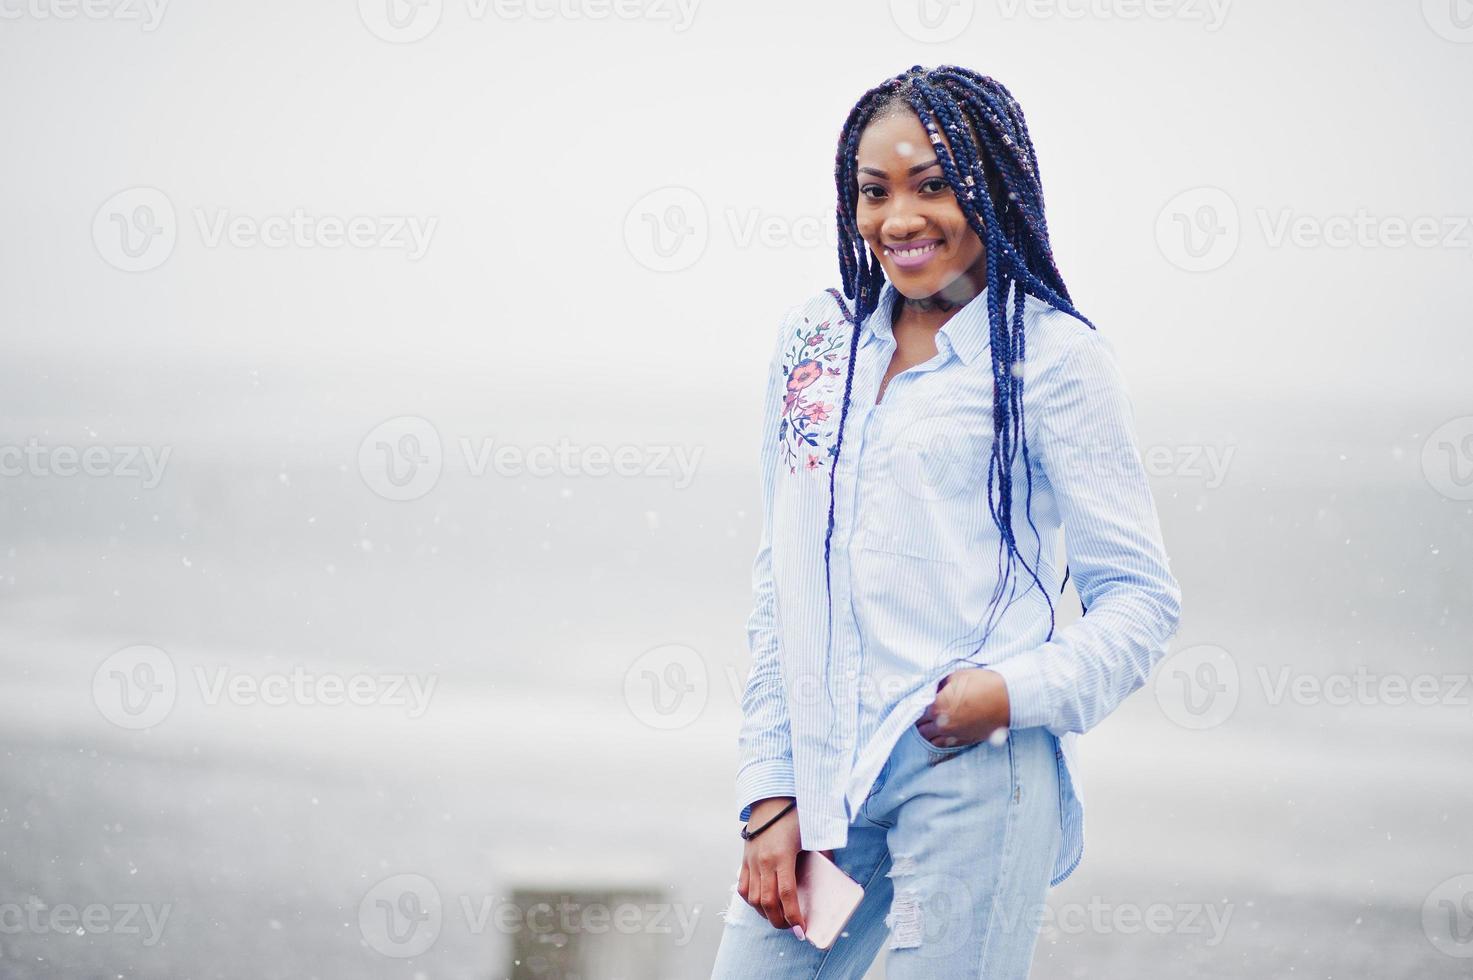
pixel 529 289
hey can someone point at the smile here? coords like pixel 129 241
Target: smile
pixel 912 256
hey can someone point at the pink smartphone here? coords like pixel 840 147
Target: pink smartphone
pixel 827 896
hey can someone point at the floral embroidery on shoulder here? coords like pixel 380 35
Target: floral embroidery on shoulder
pixel 807 430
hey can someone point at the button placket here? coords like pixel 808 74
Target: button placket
pixel 847 517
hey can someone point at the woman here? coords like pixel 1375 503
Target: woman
pixel 911 710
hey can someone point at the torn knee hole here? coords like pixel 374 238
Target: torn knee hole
pixel 904 920
pixel 734 907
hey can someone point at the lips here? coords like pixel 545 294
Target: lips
pixel 914 254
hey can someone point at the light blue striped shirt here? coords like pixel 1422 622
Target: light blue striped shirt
pixel 914 554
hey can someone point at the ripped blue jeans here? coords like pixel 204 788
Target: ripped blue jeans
pixel 954 848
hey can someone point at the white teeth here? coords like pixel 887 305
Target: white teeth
pixel 909 252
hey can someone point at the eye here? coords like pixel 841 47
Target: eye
pixel 935 185
pixel 864 191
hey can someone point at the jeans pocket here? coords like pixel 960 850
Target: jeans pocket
pixel 940 751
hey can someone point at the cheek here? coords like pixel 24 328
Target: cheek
pixel 969 246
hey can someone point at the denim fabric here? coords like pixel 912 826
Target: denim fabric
pixel 954 847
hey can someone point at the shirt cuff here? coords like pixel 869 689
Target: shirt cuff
pixel 1027 695
pixel 763 779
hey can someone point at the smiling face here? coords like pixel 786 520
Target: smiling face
pixel 908 215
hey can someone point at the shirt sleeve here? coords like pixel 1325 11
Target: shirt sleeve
pixel 1113 539
pixel 765 747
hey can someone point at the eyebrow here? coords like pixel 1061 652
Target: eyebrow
pixel 909 173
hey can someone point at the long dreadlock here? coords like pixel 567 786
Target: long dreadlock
pixel 991 156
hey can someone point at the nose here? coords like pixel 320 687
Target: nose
pixel 902 221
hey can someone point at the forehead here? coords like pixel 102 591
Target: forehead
pixel 895 137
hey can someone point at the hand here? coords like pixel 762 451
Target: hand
pixel 768 881
pixel 970 705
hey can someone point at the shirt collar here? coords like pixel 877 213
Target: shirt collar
pixel 968 332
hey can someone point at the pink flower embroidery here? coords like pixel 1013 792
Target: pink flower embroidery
pixel 803 374
pixel 803 427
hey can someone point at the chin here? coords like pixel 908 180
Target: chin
pixel 921 285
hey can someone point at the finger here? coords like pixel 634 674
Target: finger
pixel 742 883
pixel 787 890
pixel 754 885
pixel 771 904
pixel 940 737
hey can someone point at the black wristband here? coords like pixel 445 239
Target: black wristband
pixel 749 834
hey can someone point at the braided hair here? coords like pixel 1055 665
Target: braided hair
pixel 991 152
